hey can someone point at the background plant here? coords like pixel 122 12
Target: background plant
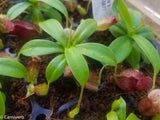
pixel 131 39
pixel 118 111
pixel 36 8
pixel 72 5
pixel 71 51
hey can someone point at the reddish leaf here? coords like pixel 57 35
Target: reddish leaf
pixel 67 72
pixel 131 80
pixel 150 105
pixel 145 107
pixel 33 70
pixel 92 83
pixel 106 22
pixel 22 29
pixel 144 83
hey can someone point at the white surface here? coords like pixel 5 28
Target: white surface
pixel 150 8
pixel 151 13
pixel 101 8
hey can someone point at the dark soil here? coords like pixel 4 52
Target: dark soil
pixel 4 5
pixel 63 90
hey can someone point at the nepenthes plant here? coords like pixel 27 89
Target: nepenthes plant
pixel 71 49
pixel 37 9
pixel 131 41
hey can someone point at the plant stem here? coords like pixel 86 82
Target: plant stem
pixel 89 2
pixel 71 3
pixel 18 56
pixel 115 73
pixel 70 34
pixel 138 28
pixel 66 22
pixel 154 81
pixel 0 85
pixel 100 74
pixel 80 97
pixel 135 30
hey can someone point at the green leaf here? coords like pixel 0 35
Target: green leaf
pixel 134 57
pixel 112 115
pixel 156 117
pixel 28 18
pixel 3 96
pixel 54 29
pixel 115 7
pixel 57 4
pixel 12 68
pixel 98 52
pixel 39 47
pixel 33 1
pixel 17 9
pixel 121 47
pixel 119 29
pixel 51 12
pixel 2 104
pixel 1 44
pixel 149 51
pixel 144 58
pixel 37 16
pixel 84 30
pixel 146 32
pixel 74 112
pixel 77 64
pixel 136 17
pixel 120 107
pixel 132 116
pixel 125 14
pixel 56 68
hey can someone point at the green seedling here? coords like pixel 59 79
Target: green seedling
pixel 89 2
pixel 131 39
pixel 72 5
pixel 2 26
pixel 82 11
pixel 36 8
pixel 2 104
pixel 12 68
pixel 41 89
pixel 118 111
pixel 1 44
pixel 71 51
pixel 2 29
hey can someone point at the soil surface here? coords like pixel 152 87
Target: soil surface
pixel 94 105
